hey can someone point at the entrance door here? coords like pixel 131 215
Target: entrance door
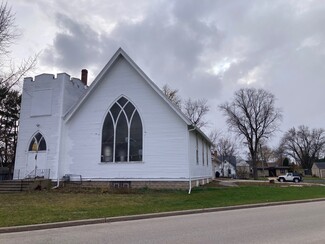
pixel 36 164
pixel 31 163
pixel 37 157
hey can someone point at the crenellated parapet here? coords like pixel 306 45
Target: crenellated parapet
pixel 49 94
pixel 50 79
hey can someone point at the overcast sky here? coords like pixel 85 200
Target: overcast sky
pixel 206 49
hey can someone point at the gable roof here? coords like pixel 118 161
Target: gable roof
pixel 230 159
pixel 118 54
pixel 320 165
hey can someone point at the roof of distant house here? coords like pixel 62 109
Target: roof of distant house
pixel 231 159
pixel 320 165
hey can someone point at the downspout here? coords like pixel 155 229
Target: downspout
pixel 58 168
pixel 190 178
pixel 59 145
pixel 57 183
pixel 190 184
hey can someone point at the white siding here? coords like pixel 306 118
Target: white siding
pixel 48 125
pixel 199 170
pixel 164 151
pixel 48 122
pixel 73 90
pixel 74 144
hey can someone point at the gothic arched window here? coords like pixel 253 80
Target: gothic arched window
pixel 37 143
pixel 122 133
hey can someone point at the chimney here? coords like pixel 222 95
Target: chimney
pixel 84 76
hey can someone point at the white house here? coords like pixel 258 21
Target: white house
pixel 226 169
pixel 225 166
pixel 120 129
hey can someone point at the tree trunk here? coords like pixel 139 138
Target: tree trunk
pixel 255 175
pixel 254 163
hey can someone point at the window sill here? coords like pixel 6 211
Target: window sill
pixel 116 163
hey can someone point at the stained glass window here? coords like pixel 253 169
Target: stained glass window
pixel 122 133
pixel 37 143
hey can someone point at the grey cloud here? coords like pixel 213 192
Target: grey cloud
pixel 168 44
pixel 176 42
pixel 74 47
pixel 171 45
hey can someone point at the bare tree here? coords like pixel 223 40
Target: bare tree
pixel 304 145
pixel 280 156
pixel 214 135
pixel 266 153
pixel 222 145
pixel 252 115
pixel 172 95
pixel 226 147
pixel 8 30
pixel 10 76
pixel 195 110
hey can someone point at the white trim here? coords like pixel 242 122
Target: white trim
pixel 184 179
pixel 121 53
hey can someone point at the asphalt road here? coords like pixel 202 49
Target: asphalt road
pixel 297 223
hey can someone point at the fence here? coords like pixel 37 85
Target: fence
pixel 39 173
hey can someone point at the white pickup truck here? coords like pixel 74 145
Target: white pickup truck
pixel 295 177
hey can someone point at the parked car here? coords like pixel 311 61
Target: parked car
pixel 295 177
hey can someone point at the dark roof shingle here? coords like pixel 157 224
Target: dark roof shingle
pixel 320 165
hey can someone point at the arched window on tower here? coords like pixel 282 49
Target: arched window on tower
pixel 38 143
pixel 122 133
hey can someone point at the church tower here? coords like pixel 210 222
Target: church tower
pixel 45 101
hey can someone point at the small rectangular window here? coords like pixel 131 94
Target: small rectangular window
pixel 202 152
pixel 197 148
pixel 207 150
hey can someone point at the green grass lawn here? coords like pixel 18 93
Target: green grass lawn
pixel 55 205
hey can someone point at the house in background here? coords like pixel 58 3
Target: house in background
pixel 226 166
pixel 120 130
pixel 318 169
pixel 269 169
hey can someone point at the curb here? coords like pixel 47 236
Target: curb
pixel 146 216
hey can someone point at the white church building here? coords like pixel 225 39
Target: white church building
pixel 119 130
